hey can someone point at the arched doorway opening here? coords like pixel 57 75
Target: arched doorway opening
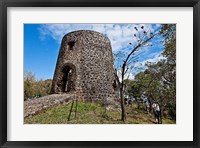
pixel 68 77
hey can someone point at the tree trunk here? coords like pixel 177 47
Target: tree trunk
pixel 123 117
pixel 122 96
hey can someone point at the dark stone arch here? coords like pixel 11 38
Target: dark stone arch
pixel 67 78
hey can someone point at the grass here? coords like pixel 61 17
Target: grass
pixel 92 113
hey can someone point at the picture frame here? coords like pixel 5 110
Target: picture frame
pixel 100 3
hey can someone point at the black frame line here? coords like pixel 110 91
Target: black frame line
pixel 4 4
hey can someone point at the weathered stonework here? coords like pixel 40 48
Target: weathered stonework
pixel 35 106
pixel 85 66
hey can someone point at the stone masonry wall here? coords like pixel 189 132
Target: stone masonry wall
pixel 85 66
pixel 34 106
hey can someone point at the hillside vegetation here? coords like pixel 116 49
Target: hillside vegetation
pixel 93 113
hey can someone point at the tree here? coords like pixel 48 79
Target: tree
pixel 35 88
pixel 159 79
pixel 169 77
pixel 29 80
pixel 142 38
pixel 159 84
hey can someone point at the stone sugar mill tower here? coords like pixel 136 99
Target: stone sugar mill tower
pixel 85 66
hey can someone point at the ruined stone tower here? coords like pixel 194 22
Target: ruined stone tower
pixel 85 66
